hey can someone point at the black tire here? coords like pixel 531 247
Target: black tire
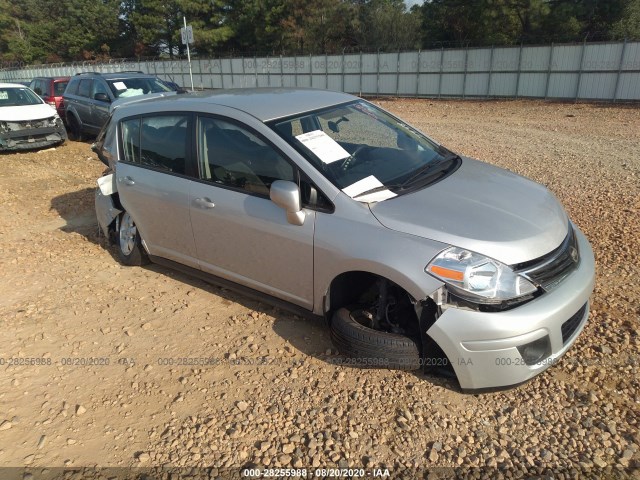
pixel 75 131
pixel 129 244
pixel 372 348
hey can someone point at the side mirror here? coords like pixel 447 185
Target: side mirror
pixel 287 196
pixel 102 97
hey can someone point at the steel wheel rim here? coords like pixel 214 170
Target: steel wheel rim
pixel 127 234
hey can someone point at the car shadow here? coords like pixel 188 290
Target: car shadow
pixel 307 334
pixel 78 211
pixel 311 337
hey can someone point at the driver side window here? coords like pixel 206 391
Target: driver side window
pixel 98 87
pixel 233 156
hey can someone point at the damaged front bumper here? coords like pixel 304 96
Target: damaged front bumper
pixel 31 135
pixel 499 349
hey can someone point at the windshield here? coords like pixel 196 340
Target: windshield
pixel 17 97
pixel 131 87
pixel 361 148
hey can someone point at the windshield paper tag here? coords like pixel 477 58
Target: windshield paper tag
pixel 119 85
pixel 367 184
pixel 4 95
pixel 323 146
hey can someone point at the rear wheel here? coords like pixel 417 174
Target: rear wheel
pixel 372 348
pixel 75 131
pixel 130 249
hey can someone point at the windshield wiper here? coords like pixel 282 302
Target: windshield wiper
pixel 430 169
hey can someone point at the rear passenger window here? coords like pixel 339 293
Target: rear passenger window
pixel 73 87
pixel 159 142
pixel 131 140
pixel 84 90
pixel 233 156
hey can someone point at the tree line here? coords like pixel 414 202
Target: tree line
pixel 37 31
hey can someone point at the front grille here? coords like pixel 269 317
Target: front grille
pixel 29 124
pixel 549 270
pixel 571 325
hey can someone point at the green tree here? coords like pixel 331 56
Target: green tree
pixel 629 24
pixel 41 30
pixel 388 25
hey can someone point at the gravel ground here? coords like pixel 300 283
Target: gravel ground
pixel 94 384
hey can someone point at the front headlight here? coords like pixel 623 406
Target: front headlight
pixel 478 278
pixel 4 127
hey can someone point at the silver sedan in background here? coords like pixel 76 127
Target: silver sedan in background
pixel 324 203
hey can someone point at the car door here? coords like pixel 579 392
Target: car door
pixel 82 103
pixel 240 234
pixel 99 108
pixel 153 179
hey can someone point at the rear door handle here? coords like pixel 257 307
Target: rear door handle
pixel 127 180
pixel 204 202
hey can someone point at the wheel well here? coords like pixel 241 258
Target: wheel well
pixel 363 289
pixel 72 115
pixel 356 287
pixel 347 287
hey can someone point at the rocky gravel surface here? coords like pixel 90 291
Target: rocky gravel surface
pixel 109 366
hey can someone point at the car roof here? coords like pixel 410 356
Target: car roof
pixel 12 85
pixel 263 103
pixel 55 79
pixel 117 75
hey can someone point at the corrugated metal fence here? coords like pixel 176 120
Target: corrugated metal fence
pixel 588 71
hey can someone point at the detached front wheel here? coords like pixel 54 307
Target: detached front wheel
pixel 130 249
pixel 372 348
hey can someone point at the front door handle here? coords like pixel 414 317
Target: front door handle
pixel 204 202
pixel 127 180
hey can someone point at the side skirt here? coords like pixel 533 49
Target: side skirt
pixel 246 291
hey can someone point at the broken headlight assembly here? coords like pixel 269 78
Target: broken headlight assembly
pixel 54 121
pixel 479 279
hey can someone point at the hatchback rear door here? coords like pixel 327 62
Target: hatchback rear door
pixel 153 178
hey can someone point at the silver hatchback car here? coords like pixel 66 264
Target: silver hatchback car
pixel 324 203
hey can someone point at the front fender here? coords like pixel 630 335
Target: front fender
pixel 343 246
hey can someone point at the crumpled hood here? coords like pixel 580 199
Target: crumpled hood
pixel 481 208
pixel 26 112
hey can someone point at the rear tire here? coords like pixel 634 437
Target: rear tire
pixel 130 249
pixel 75 131
pixel 372 348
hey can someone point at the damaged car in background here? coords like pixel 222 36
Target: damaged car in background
pixel 326 204
pixel 26 121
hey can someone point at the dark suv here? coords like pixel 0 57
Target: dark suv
pixel 90 96
pixel 50 90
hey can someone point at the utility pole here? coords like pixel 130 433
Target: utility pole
pixel 187 37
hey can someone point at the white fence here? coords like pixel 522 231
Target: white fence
pixel 588 71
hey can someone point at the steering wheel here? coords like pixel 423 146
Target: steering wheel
pixel 352 158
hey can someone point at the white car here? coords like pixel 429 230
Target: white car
pixel 26 121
